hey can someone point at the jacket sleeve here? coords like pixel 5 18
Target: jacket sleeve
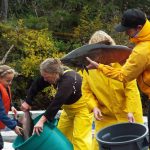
pixel 4 117
pixel 87 94
pixel 133 101
pixel 38 85
pixel 64 93
pixel 134 66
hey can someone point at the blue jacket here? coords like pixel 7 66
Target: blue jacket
pixel 4 117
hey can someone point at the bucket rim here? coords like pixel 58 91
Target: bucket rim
pixel 34 136
pixel 124 142
pixel 24 142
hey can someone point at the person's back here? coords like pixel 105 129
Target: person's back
pixel 76 118
pixel 116 100
pixel 141 53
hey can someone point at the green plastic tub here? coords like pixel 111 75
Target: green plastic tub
pixel 51 138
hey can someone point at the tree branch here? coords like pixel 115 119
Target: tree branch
pixel 6 55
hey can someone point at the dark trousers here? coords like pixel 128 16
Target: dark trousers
pixel 1 142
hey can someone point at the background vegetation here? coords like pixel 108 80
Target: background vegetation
pixel 50 28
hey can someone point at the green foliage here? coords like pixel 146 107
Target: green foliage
pixel 93 19
pixel 126 4
pixel 33 47
pixel 19 8
pixel 87 25
pixel 61 19
pixel 51 28
pixel 36 22
pixel 65 47
pixel 50 90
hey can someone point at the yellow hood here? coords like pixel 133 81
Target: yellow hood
pixel 143 35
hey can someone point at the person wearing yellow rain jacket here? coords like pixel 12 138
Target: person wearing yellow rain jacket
pixel 137 27
pixel 116 102
pixel 138 64
pixel 76 118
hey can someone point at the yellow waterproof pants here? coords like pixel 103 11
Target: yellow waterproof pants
pixel 98 126
pixel 76 125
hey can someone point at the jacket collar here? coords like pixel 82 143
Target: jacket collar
pixel 143 35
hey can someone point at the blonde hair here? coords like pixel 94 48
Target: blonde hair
pixel 51 65
pixel 101 37
pixel 4 70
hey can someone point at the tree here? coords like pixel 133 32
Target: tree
pixel 31 48
pixel 4 10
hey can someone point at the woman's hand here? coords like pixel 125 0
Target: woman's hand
pixel 97 114
pixel 14 110
pixel 131 117
pixel 18 130
pixel 39 125
pixel 92 65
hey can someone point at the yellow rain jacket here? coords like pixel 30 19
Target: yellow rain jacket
pixel 114 99
pixel 77 119
pixel 137 65
pixel 112 96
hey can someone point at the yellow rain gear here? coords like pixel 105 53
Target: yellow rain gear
pixel 138 64
pixel 77 118
pixel 114 99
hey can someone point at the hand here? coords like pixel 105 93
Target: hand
pixel 39 126
pixel 92 65
pixel 97 114
pixel 131 117
pixel 14 110
pixel 18 130
pixel 25 106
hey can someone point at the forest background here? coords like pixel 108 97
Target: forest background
pixel 32 30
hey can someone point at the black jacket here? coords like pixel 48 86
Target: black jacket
pixel 68 92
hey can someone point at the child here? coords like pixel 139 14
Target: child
pixel 6 77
